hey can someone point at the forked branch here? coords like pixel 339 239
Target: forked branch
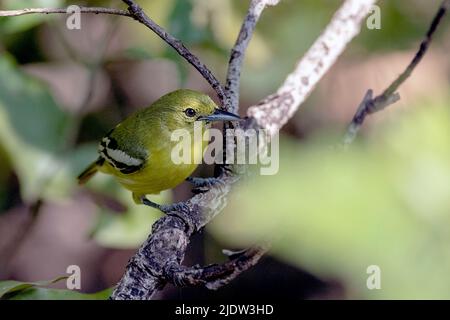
pixel 159 259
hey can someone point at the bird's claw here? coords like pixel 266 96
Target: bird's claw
pixel 166 208
pixel 202 184
pixel 174 207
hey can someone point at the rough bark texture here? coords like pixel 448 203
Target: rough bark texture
pixel 94 10
pixel 238 52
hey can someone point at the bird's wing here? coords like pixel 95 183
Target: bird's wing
pixel 123 153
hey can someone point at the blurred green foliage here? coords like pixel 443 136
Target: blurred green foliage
pixel 384 202
pixel 33 132
pixel 16 290
pixel 32 128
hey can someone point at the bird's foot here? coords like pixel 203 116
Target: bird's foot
pixel 149 203
pixel 166 208
pixel 202 184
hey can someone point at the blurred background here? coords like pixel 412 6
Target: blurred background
pixel 385 202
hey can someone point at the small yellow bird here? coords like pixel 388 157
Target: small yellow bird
pixel 137 152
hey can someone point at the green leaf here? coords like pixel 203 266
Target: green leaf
pixel 10 287
pixel 37 293
pixel 182 27
pixel 16 290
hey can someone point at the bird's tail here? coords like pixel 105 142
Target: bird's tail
pixel 88 173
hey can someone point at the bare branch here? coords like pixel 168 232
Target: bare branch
pixel 274 111
pixel 238 52
pixel 371 105
pixel 138 14
pixel 93 10
pixel 215 276
pixel 13 248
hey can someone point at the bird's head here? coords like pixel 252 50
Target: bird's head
pixel 183 107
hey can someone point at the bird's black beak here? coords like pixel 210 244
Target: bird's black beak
pixel 220 115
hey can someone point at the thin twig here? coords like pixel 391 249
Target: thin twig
pixel 139 14
pixel 238 52
pixel 92 10
pixel 371 105
pixel 136 12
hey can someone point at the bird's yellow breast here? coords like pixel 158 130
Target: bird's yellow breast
pixel 161 171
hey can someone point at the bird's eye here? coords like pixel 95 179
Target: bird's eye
pixel 190 112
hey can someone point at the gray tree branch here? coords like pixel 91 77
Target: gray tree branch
pixel 273 112
pixel 139 14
